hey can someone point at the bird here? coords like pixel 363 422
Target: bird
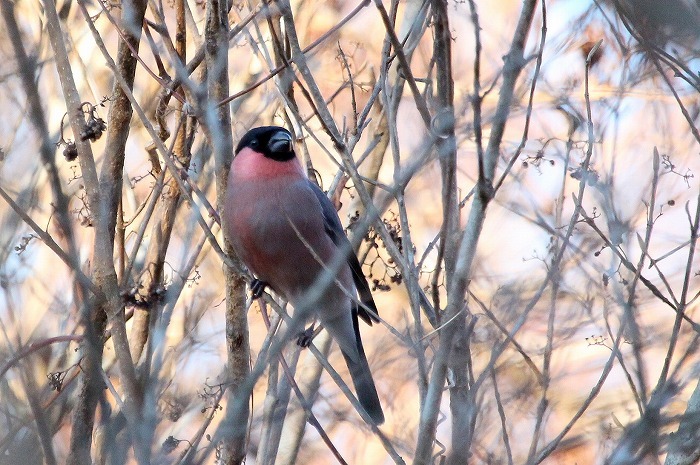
pixel 287 233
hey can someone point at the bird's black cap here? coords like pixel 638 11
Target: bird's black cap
pixel 272 141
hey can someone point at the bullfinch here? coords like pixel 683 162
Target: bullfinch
pixel 288 234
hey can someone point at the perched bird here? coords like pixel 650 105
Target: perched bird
pixel 287 233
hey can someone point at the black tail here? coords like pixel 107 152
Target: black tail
pixel 363 290
pixel 364 386
pixel 362 379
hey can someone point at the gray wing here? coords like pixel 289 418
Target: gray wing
pixel 334 229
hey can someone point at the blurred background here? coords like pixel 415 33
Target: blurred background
pixel 583 356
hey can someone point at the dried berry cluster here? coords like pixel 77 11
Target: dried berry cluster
pixel 93 129
pixel 377 258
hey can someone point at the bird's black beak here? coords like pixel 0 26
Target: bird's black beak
pixel 280 142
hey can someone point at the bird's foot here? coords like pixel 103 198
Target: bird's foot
pixel 307 336
pixel 257 288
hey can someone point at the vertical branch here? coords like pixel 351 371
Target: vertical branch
pixel 218 121
pixel 461 408
pixel 477 98
pixel 268 444
pixel 118 124
pixel 110 184
pixel 514 62
pixel 446 146
pixel 443 125
pixel 684 448
pixel 93 317
pixel 151 280
pixel 120 111
pixel 106 278
pixel 309 375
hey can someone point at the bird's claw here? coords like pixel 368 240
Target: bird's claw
pixel 257 288
pixel 306 337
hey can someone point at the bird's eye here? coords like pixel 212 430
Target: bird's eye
pixel 254 144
